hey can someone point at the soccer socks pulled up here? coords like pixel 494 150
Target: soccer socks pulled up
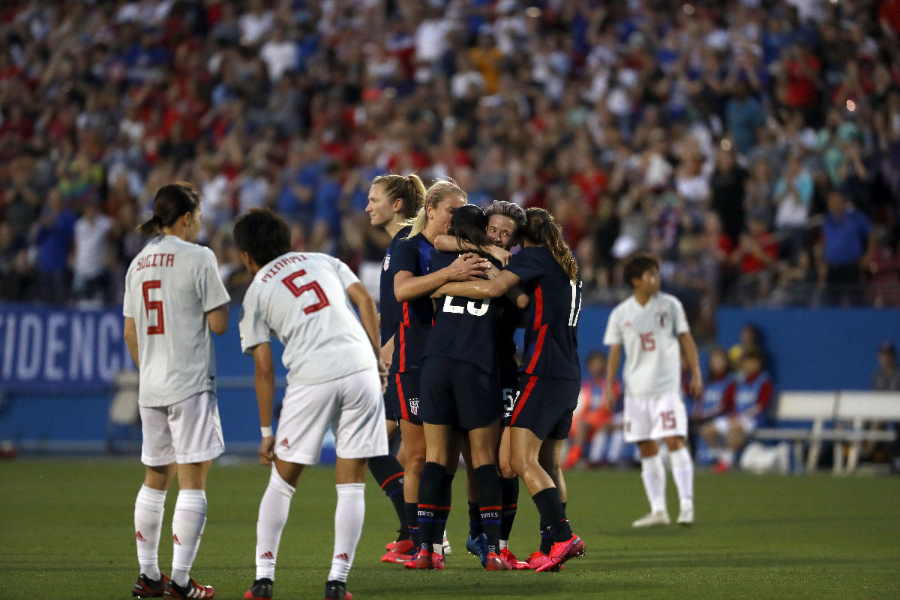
pixel 187 529
pixel 388 472
pixel 474 520
pixel 348 523
pixel 273 515
pixel 653 474
pixel 510 499
pixel 683 474
pixel 411 510
pixel 432 510
pixel 490 497
pixel 149 507
pixel 553 517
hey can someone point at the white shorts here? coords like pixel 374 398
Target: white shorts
pixel 351 406
pixel 185 432
pixel 655 417
pixel 723 424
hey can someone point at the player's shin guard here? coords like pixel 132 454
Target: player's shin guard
pixel 551 510
pixel 187 529
pixel 431 506
pixel 474 520
pixel 510 499
pixel 411 509
pixel 389 474
pixel 348 523
pixel 273 514
pixel 149 507
pixel 489 504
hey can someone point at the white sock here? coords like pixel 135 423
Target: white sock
pixel 273 515
pixel 348 523
pixel 598 445
pixel 615 446
pixel 653 474
pixel 149 507
pixel 504 544
pixel 187 529
pixel 683 474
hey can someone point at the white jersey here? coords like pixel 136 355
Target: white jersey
pixel 649 335
pixel 169 288
pixel 302 299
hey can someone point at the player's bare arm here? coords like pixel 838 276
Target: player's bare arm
pixel 217 319
pixel 451 243
pixel 481 288
pixel 131 341
pixel 368 315
pixel 690 353
pixel 409 287
pixel 612 367
pixel 387 352
pixel 264 380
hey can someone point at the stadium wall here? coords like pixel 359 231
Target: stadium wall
pixel 57 367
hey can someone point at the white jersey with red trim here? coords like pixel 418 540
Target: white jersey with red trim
pixel 169 288
pixel 649 336
pixel 302 299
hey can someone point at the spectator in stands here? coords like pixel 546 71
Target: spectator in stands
pixel 756 256
pixel 754 390
pixel 887 377
pixel 53 235
pixel 846 244
pixel 91 257
pixel 593 424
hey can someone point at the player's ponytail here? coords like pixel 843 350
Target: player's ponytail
pixel 171 201
pixel 409 189
pixel 541 229
pixel 439 191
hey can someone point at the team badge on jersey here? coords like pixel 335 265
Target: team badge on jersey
pixel 414 406
pixel 387 262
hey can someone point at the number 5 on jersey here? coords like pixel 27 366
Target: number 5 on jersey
pixel 311 286
pixel 154 305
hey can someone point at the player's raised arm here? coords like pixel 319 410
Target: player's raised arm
pixel 408 286
pixel 131 340
pixel 264 382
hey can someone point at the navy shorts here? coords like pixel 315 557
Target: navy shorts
pixel 401 399
pixel 458 394
pixel 509 392
pixel 545 406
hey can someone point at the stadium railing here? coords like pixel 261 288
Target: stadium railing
pixel 828 415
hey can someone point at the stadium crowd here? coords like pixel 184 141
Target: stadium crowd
pixel 753 145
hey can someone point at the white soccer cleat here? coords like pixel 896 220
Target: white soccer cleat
pixel 448 549
pixel 653 519
pixel 686 516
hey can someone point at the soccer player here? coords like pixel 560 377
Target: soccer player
pixel 651 326
pixel 174 298
pixel 333 383
pixel 414 281
pixel 549 382
pixel 458 376
pixel 753 392
pixel 393 201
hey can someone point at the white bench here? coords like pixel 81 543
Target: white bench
pixel 862 410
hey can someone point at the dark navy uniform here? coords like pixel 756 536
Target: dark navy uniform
pixel 414 319
pixel 507 363
pixel 460 384
pixel 390 317
pixel 549 381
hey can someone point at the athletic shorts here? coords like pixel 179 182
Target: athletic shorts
pixel 403 394
pixel 545 406
pixel 458 394
pixel 723 423
pixel 509 392
pixel 351 407
pixel 655 417
pixel 186 432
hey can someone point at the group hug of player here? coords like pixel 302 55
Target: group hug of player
pixel 443 374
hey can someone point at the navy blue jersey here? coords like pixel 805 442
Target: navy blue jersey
pixel 551 321
pixel 387 304
pixel 464 329
pixel 509 320
pixel 415 316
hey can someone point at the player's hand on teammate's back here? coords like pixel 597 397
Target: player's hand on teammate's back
pixel 468 265
pixel 267 450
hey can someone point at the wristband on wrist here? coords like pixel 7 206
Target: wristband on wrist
pixel 266 431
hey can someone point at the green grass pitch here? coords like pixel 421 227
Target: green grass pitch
pixel 66 534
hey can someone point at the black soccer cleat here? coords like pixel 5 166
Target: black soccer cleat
pixel 337 590
pixel 145 587
pixel 260 590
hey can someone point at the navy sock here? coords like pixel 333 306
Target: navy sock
pixel 389 474
pixel 431 510
pixel 489 504
pixel 551 510
pixel 474 520
pixel 510 492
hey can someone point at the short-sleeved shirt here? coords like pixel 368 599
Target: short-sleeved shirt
pixel 551 321
pixel 388 305
pixel 415 316
pixel 302 299
pixel 464 329
pixel 846 238
pixel 169 287
pixel 649 335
